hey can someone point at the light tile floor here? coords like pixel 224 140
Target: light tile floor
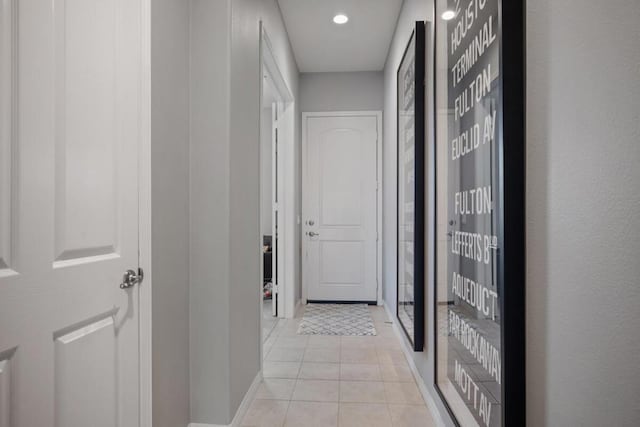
pixel 329 381
pixel 268 321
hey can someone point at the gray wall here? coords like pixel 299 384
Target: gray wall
pixel 583 227
pixel 210 211
pixel 245 243
pixel 412 11
pixel 170 211
pixel 357 91
pixel 225 249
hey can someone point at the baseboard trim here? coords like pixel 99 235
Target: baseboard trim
pixel 242 409
pixel 246 402
pixel 297 308
pixel 408 352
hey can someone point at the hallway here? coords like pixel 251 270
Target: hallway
pixel 314 380
pixel 199 199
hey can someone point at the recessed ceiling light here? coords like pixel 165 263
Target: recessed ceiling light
pixel 340 19
pixel 448 15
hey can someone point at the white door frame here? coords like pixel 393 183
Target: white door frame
pixel 144 224
pixel 378 115
pixel 286 178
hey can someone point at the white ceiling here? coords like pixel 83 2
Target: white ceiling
pixel 320 45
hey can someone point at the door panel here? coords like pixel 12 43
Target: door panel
pixel 333 270
pixel 7 148
pixel 83 359
pixel 340 208
pixel 85 122
pixel 340 198
pixel 71 81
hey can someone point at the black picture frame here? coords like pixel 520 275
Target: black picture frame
pixel 415 314
pixel 510 231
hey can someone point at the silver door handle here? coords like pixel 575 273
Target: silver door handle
pixel 130 278
pixel 313 234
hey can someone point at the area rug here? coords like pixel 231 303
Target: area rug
pixel 337 319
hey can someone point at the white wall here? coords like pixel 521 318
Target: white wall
pixel 357 91
pixel 225 197
pixel 170 211
pixel 583 227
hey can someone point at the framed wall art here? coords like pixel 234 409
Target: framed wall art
pixel 480 239
pixel 410 179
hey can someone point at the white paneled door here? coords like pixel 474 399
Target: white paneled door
pixel 71 86
pixel 340 206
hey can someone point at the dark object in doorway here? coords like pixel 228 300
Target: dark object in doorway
pixel 266 256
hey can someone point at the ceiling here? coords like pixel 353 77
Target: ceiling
pixel 320 45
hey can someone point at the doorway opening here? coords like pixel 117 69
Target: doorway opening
pixel 276 164
pixel 269 200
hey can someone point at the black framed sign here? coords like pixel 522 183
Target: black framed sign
pixel 479 277
pixel 410 257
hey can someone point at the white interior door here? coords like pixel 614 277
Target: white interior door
pixel 71 81
pixel 276 259
pixel 339 207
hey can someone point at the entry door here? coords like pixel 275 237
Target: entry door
pixel 339 196
pixel 70 129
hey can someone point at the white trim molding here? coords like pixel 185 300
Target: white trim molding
pixel 286 175
pixel 298 310
pixel 145 347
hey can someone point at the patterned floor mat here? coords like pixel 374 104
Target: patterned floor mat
pixel 337 319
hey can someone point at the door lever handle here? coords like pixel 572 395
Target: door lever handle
pixel 130 278
pixel 313 234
